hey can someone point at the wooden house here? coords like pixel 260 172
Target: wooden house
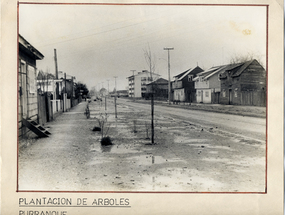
pixel 27 83
pixel 183 85
pixel 208 86
pixel 159 89
pixel 244 84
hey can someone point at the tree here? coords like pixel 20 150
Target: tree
pixel 150 60
pixel 81 89
pixel 246 57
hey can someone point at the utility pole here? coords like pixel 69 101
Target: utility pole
pixel 115 96
pixel 64 95
pixel 133 91
pixel 56 75
pixel 169 90
pixel 108 86
pixel 72 88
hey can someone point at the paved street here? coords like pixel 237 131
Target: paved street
pixel 194 151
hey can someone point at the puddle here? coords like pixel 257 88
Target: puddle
pixel 245 162
pixel 189 140
pixel 125 149
pixel 213 152
pixel 178 179
pixel 99 161
pixel 150 160
pixel 220 147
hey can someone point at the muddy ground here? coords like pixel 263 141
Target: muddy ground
pixel 186 157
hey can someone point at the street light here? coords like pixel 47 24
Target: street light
pixel 169 91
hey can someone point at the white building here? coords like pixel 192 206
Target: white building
pixel 138 82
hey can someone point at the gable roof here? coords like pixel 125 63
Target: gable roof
pixel 159 81
pixel 185 73
pixel 25 46
pixel 237 69
pixel 144 72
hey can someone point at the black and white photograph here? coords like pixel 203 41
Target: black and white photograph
pixel 142 98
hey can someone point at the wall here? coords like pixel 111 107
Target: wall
pixel 199 84
pixel 28 102
pixel 214 82
pixel 207 96
pixel 138 82
pixel 179 95
pixel 247 89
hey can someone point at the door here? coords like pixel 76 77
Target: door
pixel 230 96
pixel 23 98
pixel 23 91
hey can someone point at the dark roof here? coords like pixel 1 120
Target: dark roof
pixel 144 72
pixel 159 81
pixel 24 45
pixel 237 69
pixel 183 74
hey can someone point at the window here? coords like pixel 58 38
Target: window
pixel 32 79
pixel 207 94
pixel 190 78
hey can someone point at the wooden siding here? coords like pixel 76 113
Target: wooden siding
pixel 27 101
pixel 249 88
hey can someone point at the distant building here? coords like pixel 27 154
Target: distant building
pixel 122 93
pixel 159 89
pixel 48 83
pixel 183 85
pixel 27 77
pixel 138 82
pixel 244 84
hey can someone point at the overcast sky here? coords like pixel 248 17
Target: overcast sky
pixel 94 43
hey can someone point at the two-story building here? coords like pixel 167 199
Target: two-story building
pixel 159 88
pixel 183 85
pixel 138 82
pixel 244 84
pixel 208 86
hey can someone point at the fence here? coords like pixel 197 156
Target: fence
pixel 255 98
pixel 56 105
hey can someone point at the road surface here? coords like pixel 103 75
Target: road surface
pixel 251 127
pixel 194 151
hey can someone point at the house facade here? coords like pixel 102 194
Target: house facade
pixel 208 86
pixel 159 89
pixel 137 83
pixel 183 88
pixel 27 83
pixel 244 84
